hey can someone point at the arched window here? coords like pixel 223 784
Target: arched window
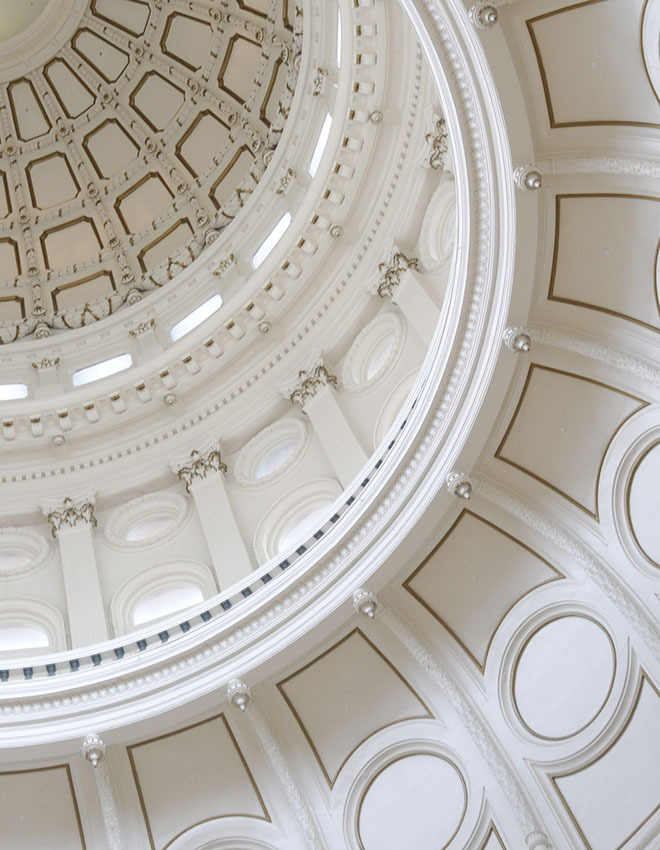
pixel 28 627
pixel 295 518
pixel 158 592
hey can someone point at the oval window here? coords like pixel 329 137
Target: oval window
pixel 147 527
pixel 305 524
pixel 275 458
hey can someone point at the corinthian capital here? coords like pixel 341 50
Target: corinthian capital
pixel 310 382
pixel 392 271
pixel 70 515
pixel 200 466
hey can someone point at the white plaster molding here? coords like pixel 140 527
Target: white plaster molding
pixel 482 736
pixel 437 237
pixel 312 838
pixel 247 460
pixel 17 544
pixel 93 750
pixel 641 369
pixel 386 325
pixel 173 505
pixel 596 570
pixel 633 166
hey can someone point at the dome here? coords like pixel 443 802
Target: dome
pixel 328 437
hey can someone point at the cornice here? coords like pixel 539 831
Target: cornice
pixel 455 374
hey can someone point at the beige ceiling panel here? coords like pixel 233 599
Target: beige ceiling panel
pixel 51 181
pixel 346 695
pixel 187 40
pixel 165 244
pixel 231 176
pixel 611 797
pixel 110 148
pixel 129 15
pixel 144 203
pixel 156 100
pixel 72 94
pixel 10 263
pixel 39 803
pixel 473 578
pixel 643 505
pixel 12 307
pixel 258 7
pixel 5 200
pixel 494 841
pixel 71 243
pixel 240 67
pixel 585 81
pixel 191 776
pixel 606 255
pixel 563 676
pixel 81 291
pixel 105 58
pixel 26 109
pixel 561 430
pixel 206 138
pixel 271 102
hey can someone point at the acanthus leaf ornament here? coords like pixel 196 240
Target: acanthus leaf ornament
pixel 310 382
pixel 200 466
pixel 71 515
pixel 392 271
pixel 436 142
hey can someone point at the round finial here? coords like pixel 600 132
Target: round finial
pixel 518 340
pixel 365 603
pixel 376 117
pixel 58 441
pixel 484 14
pixel 93 749
pixel 238 694
pixel 528 178
pixel 460 485
pixel 336 231
pixel 169 399
pixel 264 327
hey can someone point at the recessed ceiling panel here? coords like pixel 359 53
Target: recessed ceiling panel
pixel 473 578
pixel 110 148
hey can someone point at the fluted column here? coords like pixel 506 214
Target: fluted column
pixel 93 749
pixel 203 475
pixel 73 525
pixel 401 282
pixel 315 392
pixel 239 695
pixel 367 604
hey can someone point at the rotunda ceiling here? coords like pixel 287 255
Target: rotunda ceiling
pixel 131 133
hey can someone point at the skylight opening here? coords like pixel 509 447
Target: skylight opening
pixel 199 314
pixel 102 370
pixel 271 240
pixel 321 145
pixel 9 392
pixel 339 38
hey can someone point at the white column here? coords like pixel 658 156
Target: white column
pixel 401 282
pixel 73 525
pixel 367 604
pixel 318 398
pixel 239 695
pixel 203 475
pixel 93 749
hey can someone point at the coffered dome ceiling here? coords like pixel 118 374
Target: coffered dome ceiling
pixel 131 134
